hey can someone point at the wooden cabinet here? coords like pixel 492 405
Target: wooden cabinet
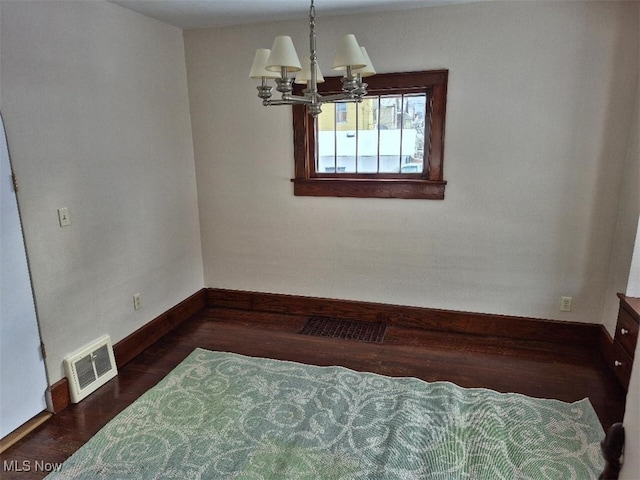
pixel 626 337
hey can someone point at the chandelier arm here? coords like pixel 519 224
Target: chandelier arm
pixel 340 97
pixel 289 100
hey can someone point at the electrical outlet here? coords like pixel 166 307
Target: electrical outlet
pixel 565 304
pixel 137 302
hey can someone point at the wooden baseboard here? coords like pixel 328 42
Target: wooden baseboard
pixel 520 328
pixel 517 328
pixel 130 347
pixel 21 432
pixel 133 345
pixel 58 395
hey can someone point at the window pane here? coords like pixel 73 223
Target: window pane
pixel 413 121
pixel 390 126
pixel 368 135
pixel 326 136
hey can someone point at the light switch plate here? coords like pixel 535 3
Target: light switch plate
pixel 63 217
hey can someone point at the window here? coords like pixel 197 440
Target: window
pixel 390 145
pixel 340 114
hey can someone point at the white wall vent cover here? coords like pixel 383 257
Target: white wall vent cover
pixel 90 367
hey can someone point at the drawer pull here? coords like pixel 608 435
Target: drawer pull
pixel 624 331
pixel 618 364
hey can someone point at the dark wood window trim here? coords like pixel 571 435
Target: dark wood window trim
pixel 429 184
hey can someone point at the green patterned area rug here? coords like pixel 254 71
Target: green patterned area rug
pixel 227 416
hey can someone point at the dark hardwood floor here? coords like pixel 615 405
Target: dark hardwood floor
pixel 536 369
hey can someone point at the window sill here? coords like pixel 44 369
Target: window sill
pixel 364 188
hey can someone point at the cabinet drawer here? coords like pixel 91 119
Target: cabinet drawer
pixel 621 364
pixel 626 332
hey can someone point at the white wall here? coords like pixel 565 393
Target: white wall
pixel 95 102
pixel 631 466
pixel 624 266
pixel 539 108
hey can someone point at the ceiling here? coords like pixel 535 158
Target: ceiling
pixel 188 14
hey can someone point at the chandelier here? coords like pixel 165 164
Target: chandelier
pixel 282 61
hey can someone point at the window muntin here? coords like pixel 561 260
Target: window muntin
pixel 356 156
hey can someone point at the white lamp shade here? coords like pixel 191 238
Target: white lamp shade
pixel 304 75
pixel 283 55
pixel 258 69
pixel 348 54
pixel 369 70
